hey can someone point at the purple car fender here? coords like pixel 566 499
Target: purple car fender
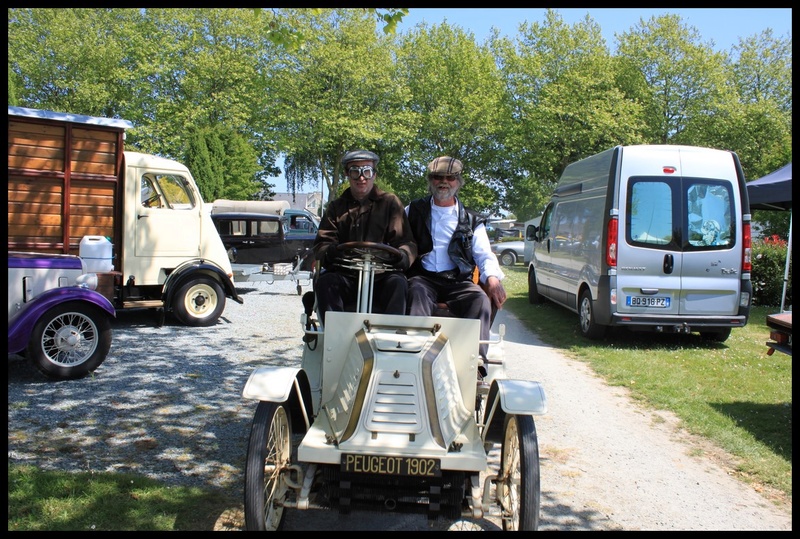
pixel 23 322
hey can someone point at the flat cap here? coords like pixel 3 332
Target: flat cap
pixel 359 155
pixel 446 166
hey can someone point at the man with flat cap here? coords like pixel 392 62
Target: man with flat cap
pixel 451 242
pixel 368 214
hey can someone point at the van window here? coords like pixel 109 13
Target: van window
pixel 699 210
pixel 650 212
pixel 709 209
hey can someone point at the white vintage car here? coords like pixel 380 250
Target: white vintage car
pixel 385 414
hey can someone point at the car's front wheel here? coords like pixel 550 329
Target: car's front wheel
pixel 269 455
pixel 70 340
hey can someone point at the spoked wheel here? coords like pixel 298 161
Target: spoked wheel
pixel 268 458
pixel 518 488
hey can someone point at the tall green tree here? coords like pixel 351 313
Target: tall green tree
pixel 456 97
pixel 684 76
pixel 337 95
pixel 568 99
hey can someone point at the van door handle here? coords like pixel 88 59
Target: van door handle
pixel 669 263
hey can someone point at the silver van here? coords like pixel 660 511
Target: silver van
pixel 652 237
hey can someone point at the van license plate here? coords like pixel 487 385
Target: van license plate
pixel 647 301
pixel 388 465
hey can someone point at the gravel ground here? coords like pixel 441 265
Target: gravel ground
pixel 167 403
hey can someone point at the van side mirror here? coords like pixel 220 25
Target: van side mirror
pixel 533 233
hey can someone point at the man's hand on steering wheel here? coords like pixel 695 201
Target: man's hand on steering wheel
pixel 386 255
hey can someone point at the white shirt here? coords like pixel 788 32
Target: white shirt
pixel 443 224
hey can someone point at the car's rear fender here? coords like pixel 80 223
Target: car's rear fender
pixel 511 397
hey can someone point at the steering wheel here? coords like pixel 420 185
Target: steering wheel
pixel 381 253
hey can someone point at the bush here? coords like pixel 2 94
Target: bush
pixel 769 263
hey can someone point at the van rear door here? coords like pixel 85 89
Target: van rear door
pixel 679 254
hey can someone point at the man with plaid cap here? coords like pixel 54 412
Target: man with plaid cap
pixel 362 213
pixel 451 242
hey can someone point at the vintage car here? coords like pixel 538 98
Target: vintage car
pixel 56 319
pixel 386 413
pixel 266 238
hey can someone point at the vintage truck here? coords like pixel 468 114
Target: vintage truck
pixel 69 179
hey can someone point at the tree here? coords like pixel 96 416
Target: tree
pixel 455 94
pixel 567 99
pixel 337 95
pixel 685 78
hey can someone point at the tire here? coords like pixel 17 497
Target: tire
pixel 199 302
pixel 269 453
pixel 518 483
pixel 70 340
pixel 508 258
pixel 534 297
pixel 716 336
pixel 589 328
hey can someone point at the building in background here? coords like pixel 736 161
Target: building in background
pixel 303 201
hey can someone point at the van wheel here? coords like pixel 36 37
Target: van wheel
pixel 199 302
pixel 589 328
pixel 716 336
pixel 534 297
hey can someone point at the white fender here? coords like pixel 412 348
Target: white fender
pixel 273 384
pixel 511 397
pixel 522 397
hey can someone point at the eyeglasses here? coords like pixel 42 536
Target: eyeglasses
pixel 440 177
pixel 355 173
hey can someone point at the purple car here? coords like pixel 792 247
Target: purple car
pixel 55 317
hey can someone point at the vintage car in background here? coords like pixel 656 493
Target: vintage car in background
pixel 56 319
pixel 266 238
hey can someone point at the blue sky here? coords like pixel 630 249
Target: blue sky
pixel 723 25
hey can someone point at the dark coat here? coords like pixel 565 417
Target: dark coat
pixel 379 218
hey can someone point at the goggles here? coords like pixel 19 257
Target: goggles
pixel 355 173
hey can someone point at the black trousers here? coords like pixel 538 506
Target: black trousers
pixel 465 299
pixel 339 292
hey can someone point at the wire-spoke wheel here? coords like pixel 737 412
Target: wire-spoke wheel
pixel 269 455
pixel 518 485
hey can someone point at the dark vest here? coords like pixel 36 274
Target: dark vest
pixel 460 248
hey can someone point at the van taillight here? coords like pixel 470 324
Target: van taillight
pixel 747 264
pixel 611 242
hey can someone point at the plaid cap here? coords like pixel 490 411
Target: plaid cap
pixel 446 166
pixel 359 155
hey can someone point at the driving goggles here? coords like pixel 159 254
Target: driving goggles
pixel 355 173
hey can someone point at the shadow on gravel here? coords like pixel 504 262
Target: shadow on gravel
pixel 166 402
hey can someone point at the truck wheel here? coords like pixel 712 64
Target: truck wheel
pixel 508 258
pixel 269 453
pixel 70 340
pixel 518 483
pixel 199 302
pixel 589 328
pixel 534 297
